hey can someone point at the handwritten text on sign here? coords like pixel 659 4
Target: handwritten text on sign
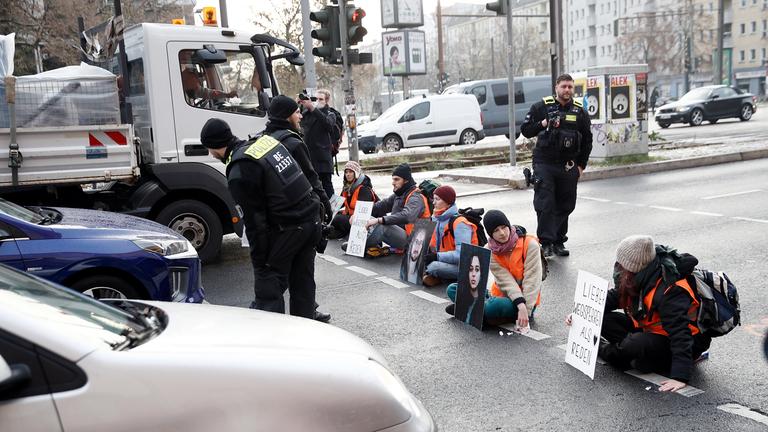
pixel 586 320
pixel 358 234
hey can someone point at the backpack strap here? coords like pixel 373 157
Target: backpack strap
pixel 283 134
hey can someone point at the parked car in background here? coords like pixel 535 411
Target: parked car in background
pixel 71 363
pixel 428 120
pixel 101 254
pixel 710 103
pixel 493 97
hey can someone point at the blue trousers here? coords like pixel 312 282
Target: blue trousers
pixel 495 307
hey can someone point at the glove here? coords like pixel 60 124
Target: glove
pixel 328 213
pixel 430 258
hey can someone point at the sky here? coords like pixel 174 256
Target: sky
pixel 240 12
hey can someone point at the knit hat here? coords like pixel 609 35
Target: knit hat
pixel 403 171
pixel 216 134
pixel 281 107
pixel 446 193
pixel 635 252
pixel 493 219
pixel 354 167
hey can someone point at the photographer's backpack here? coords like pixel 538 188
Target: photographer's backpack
pixel 719 310
pixel 337 134
pixel 427 188
pixel 475 217
pixel 522 232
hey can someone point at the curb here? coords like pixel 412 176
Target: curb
pixel 627 170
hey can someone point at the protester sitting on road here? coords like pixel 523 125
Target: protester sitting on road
pixel 357 186
pixel 451 231
pixel 516 267
pixel 394 216
pixel 657 330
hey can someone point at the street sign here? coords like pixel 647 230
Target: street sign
pixel 586 322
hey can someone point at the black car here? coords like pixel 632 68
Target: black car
pixel 709 103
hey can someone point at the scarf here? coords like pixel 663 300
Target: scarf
pixel 503 248
pixel 406 188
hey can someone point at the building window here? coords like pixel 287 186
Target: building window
pixel 754 26
pixel 764 54
pixel 743 28
pixel 743 3
pixel 752 54
pixel 741 56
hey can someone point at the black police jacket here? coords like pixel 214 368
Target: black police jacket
pixel 268 184
pixel 573 117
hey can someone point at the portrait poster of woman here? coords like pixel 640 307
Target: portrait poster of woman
pixel 412 267
pixel 474 265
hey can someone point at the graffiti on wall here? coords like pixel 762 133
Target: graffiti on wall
pixel 605 134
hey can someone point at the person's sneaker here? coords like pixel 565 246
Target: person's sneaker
pixel 702 357
pixel 547 250
pixel 376 252
pixel 322 317
pixel 430 281
pixel 344 246
pixel 451 309
pixel 560 250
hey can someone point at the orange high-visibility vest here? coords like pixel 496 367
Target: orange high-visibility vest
pixel 349 204
pixel 448 242
pixel 424 215
pixel 514 262
pixel 652 323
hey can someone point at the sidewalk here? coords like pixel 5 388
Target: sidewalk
pixel 468 181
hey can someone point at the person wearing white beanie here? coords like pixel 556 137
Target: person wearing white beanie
pixel 357 187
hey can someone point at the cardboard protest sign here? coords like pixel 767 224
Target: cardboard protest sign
pixel 586 322
pixel 474 267
pixel 412 267
pixel 358 234
pixel 337 202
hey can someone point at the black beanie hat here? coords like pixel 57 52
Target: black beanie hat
pixel 216 134
pixel 493 219
pixel 281 107
pixel 403 171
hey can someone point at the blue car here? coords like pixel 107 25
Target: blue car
pixel 101 254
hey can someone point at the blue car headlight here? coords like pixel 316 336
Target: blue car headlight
pixel 163 246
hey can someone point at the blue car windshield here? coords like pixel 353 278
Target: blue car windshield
pixel 19 212
pixel 82 317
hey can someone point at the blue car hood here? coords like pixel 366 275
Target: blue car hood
pixel 82 223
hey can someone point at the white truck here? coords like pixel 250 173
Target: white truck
pixel 75 142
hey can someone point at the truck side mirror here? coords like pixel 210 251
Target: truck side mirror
pixel 12 376
pixel 209 55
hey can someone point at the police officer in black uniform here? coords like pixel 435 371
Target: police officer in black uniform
pixel 282 214
pixel 564 142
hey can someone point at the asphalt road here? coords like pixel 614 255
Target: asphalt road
pixel 723 131
pixel 487 381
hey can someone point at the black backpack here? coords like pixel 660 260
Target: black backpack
pixel 475 217
pixel 337 133
pixel 427 188
pixel 522 232
pixel 719 310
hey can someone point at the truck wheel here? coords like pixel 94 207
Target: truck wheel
pixel 106 287
pixel 198 223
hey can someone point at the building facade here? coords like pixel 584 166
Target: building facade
pixel 749 43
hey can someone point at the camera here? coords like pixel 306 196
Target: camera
pixel 303 96
pixel 553 119
pixel 530 178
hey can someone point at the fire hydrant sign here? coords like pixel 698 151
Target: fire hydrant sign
pixel 586 321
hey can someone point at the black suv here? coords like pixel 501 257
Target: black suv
pixel 709 103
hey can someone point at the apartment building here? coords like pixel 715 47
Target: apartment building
pixel 749 43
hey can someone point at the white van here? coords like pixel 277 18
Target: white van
pixel 419 121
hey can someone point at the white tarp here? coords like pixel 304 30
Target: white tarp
pixel 7 49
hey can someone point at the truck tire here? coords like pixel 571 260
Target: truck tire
pixel 198 223
pixel 106 287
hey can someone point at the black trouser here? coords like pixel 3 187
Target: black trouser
pixel 290 265
pixel 554 199
pixel 325 179
pixel 341 225
pixel 647 352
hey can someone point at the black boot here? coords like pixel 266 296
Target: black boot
pixel 560 250
pixel 547 250
pixel 451 309
pixel 322 317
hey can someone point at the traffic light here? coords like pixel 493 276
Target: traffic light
pixel 178 21
pixel 500 7
pixel 327 34
pixel 355 29
pixel 209 16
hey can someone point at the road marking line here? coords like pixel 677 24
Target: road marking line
pixel 430 297
pixel 362 271
pixel 687 391
pixel 740 410
pixel 481 192
pixel 595 199
pixel 533 334
pixel 392 282
pixel 750 219
pixel 674 209
pixel 732 194
pixel 598 360
pixel 333 260
pixel 701 213
pixel 622 203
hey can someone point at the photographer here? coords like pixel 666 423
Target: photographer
pixel 318 122
pixel 564 142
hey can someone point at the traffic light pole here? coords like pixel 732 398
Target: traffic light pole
pixel 309 59
pixel 511 87
pixel 349 91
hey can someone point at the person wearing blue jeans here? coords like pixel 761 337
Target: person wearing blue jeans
pixel 442 261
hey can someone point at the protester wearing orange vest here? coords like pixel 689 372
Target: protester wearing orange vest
pixel 357 186
pixel 656 332
pixel 516 268
pixel 442 263
pixel 394 216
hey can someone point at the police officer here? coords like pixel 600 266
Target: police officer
pixel 281 213
pixel 564 142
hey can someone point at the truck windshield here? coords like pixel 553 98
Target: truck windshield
pixel 19 212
